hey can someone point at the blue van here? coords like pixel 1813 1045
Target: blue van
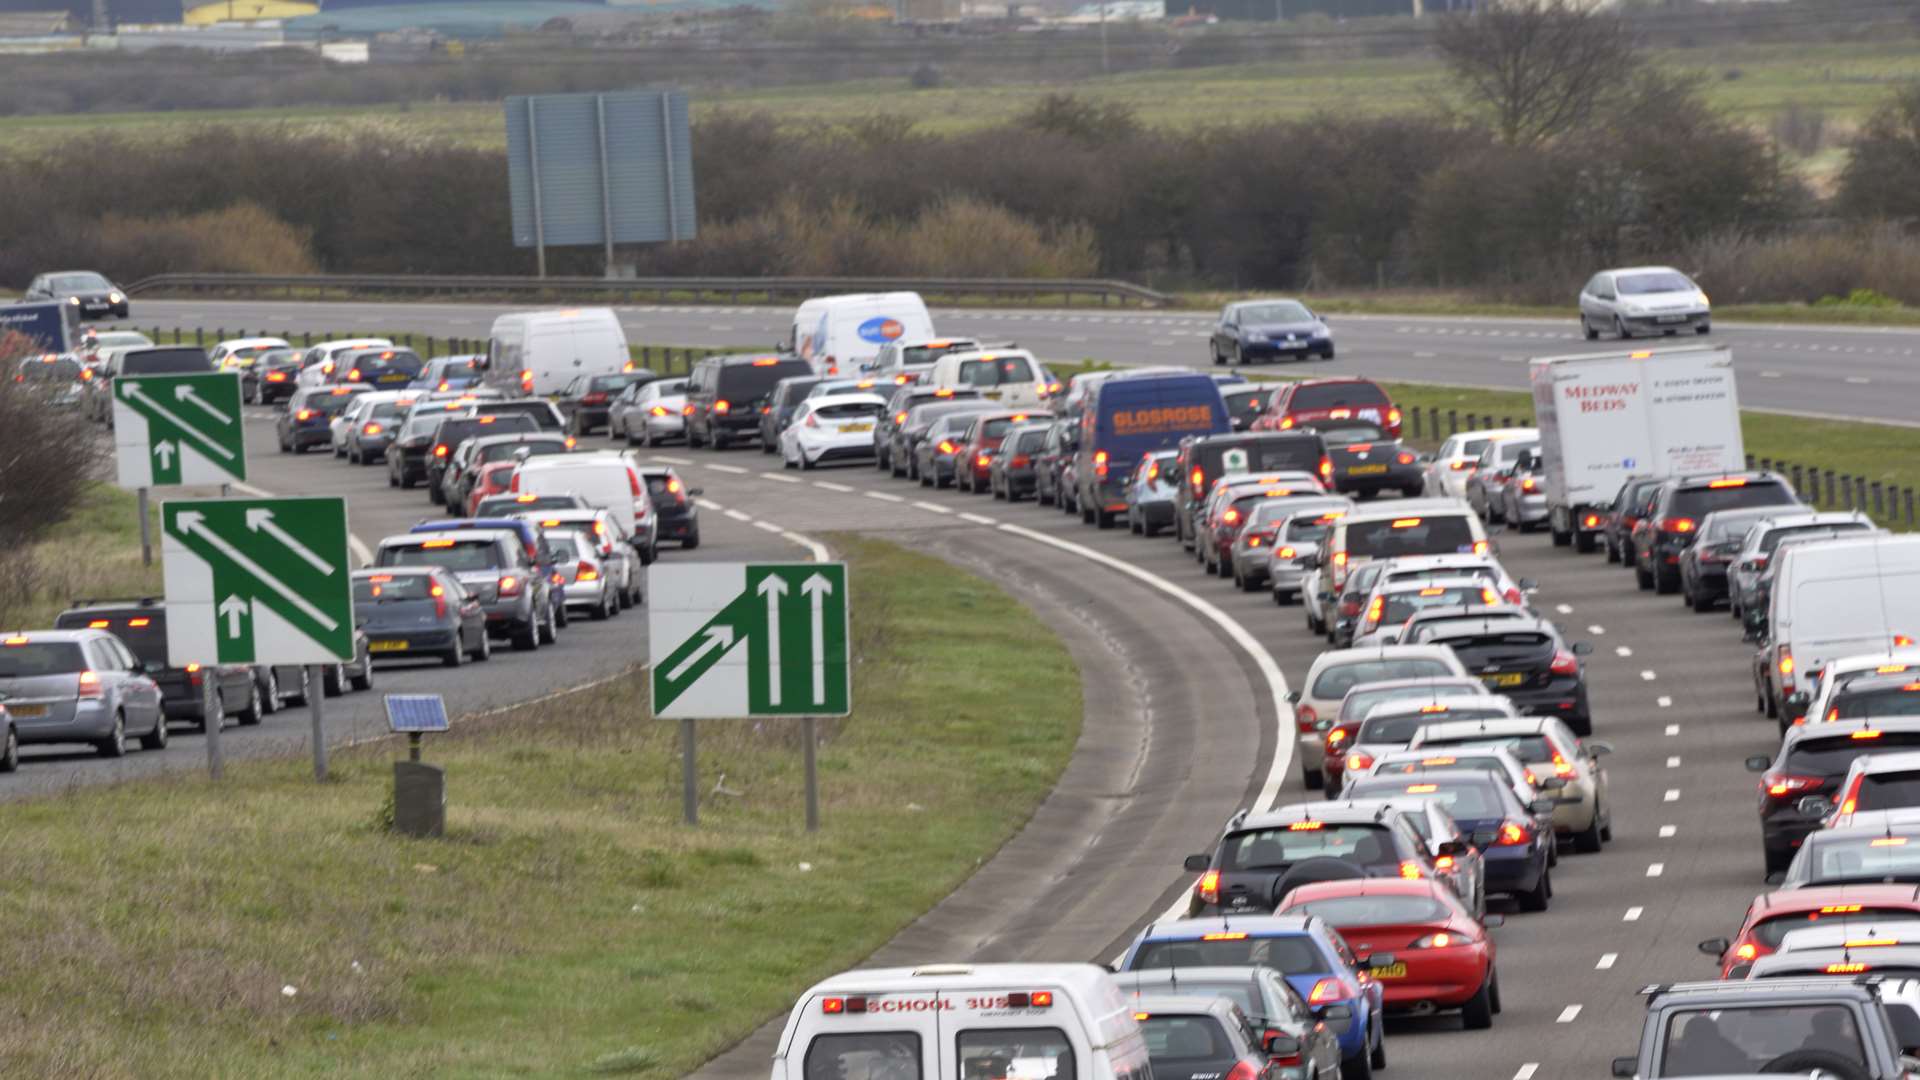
pixel 1129 416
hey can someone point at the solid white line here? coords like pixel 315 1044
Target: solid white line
pixel 1667 831
pixel 1656 869
pixel 884 496
pixel 779 479
pixel 361 552
pixel 768 526
pixel 734 469
pixel 1672 795
pixel 1664 702
pixel 814 547
pixel 1673 762
pixel 978 520
pixel 1673 729
pixel 1633 914
pixel 738 516
pixel 1606 961
pixel 1567 1014
pixel 933 508
pixel 1526 1071
pixel 831 486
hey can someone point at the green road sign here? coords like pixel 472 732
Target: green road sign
pixel 257 581
pixel 748 639
pixel 178 429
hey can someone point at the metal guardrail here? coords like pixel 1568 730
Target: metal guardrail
pixel 661 290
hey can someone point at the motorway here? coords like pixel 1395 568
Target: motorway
pixel 1866 373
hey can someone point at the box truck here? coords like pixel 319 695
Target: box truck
pixel 1606 417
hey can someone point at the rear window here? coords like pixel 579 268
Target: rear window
pixel 329 403
pixel 520 504
pixel 41 658
pixel 1851 704
pixel 182 361
pixel 1333 395
pixel 1294 954
pixel 537 414
pixel 455 555
pixel 1334 682
pixel 1530 749
pixel 1361 701
pixel 1373 910
pixel 144 633
pixel 1655 282
pixel 1483 762
pixel 615 383
pixel 1832 757
pixel 1401 729
pixel 999 371
pixel 1495 648
pixel 1698 502
pixel 1310 526
pixel 1397 607
pixel 1031 440
pixel 58 369
pixel 1772 931
pixel 1280 846
pixel 392 588
pixel 377 364
pixel 1350 434
pixel 1022 1053
pixel 494 452
pixel 1888 791
pixel 1438 534
pixel 748 383
pixel 1285 454
pixel 1169 1038
pixel 454 432
pixel 1461 799
pixel 796 389
pixel 876 1055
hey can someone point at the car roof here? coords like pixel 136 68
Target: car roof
pixel 1251 925
pixel 1828 729
pixel 1439 706
pixel 1815 897
pixel 71 634
pixel 846 399
pixel 1897 761
pixel 420 538
pixel 1435 776
pixel 1492 727
pixel 389 571
pixel 1411 584
pixel 1641 270
pixel 737 359
pixel 1337 812
pixel 1417 753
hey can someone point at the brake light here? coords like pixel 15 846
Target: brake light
pixel 99 624
pixel 439 602
pixel 1565 663
pixel 1783 786
pixel 89 684
pixel 1020 461
pixel 1863 734
pixel 303 414
pixel 1359 760
pixel 1330 989
pixel 1676 525
pixel 372 429
pixel 1404 458
pixel 1561 766
pixel 1243 1070
pixel 722 405
pixel 899 418
pixel 1208 888
pixel 1529 484
pixel 1592 521
pixel 440 451
pixel 1393 416
pixel 1444 862
pixel 1462 466
pixel 1360 448
pixel 1375 610
pixel 1284 553
pixel 1100 463
pixel 1410 870
pixel 1439 941
pixel 526 379
pixel 509 586
pixel 353 375
pixel 1747 951
pixel 947 447
pixel 1306 718
pixel 1306 826
pixel 586 572
pixel 1232 516
pixel 595 398
pixel 1199 478
pixel 983 460
pixel 1479 547
pixel 1326 468
pixel 1337 736
pixel 1729 483
pixel 633 482
pixel 686 410
pixel 1513 834
pixel 1785 666
pixel 1902 641
pixel 1846 969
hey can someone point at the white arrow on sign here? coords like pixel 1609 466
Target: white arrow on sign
pixel 233 609
pixel 720 637
pixel 260 519
pixel 187 394
pixel 134 393
pixel 193 521
pixel 165 451
pixel 818 588
pixel 773 587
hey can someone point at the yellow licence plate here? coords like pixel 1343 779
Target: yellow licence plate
pixel 1391 971
pixel 389 646
pixel 27 712
pixel 1510 678
pixel 856 427
pixel 1367 470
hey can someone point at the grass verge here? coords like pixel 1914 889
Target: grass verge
pixel 567 925
pixel 96 554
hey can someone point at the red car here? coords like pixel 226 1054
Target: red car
pixel 973 466
pixel 1772 915
pixel 496 478
pixel 1440 957
pixel 1296 405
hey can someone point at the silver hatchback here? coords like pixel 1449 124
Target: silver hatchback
pixel 1643 300
pixel 79 686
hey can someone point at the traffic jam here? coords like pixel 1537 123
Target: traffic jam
pixel 1445 734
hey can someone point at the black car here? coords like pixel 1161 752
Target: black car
pixel 675 512
pixel 1525 661
pixel 1204 459
pixel 459 428
pixel 1245 403
pixel 307 421
pixel 1672 522
pixel 1269 330
pixel 1366 460
pixel 420 613
pixel 1703 566
pixel 1049 465
pixel 588 399
pixel 91 293
pixel 777 413
pixel 272 377
pixel 1010 475
pixel 1812 760
pixel 407 453
pixel 937 454
pixel 908 433
pixel 726 393
pixel 904 400
pixel 1254 863
pixel 1631 503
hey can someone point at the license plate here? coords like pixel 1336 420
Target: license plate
pixel 389 646
pixel 1391 971
pixel 1366 470
pixel 1670 318
pixel 27 712
pixel 1509 678
pixel 856 427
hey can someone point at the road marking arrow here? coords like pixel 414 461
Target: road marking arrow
pixel 192 522
pixel 719 637
pixel 234 609
pixel 165 451
pixel 187 394
pixel 773 587
pixel 818 588
pixel 260 519
pixel 134 393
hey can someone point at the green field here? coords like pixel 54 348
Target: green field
pixel 95 554
pixel 567 925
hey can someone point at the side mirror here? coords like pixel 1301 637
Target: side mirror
pixel 1599 748
pixel 1582 648
pixel 1197 864
pixel 1281 1045
pixel 1451 847
pixel 1758 763
pixel 1814 806
pixel 1527 584
pixel 1310 561
pixel 1493 920
pixel 1293 697
pixel 1542 806
pixel 1624 1066
pixel 1337 1018
pixel 1715 947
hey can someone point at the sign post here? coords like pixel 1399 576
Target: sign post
pixel 749 640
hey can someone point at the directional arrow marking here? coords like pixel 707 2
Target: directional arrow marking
pixel 234 609
pixel 134 393
pixel 193 522
pixel 260 519
pixel 818 588
pixel 187 394
pixel 165 451
pixel 774 588
pixel 719 637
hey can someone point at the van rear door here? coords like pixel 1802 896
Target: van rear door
pixel 856 1036
pixel 1028 1032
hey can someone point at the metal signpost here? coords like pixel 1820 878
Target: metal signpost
pixel 419 791
pixel 177 429
pixel 745 640
pixel 260 581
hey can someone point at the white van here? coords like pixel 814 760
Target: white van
pixel 1396 530
pixel 540 352
pixel 606 479
pixel 1011 377
pixel 842 335
pixel 957 1021
pixel 1837 598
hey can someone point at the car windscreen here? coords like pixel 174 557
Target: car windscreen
pixel 505 451
pixel 392 588
pixel 80 283
pixel 1279 311
pixel 1382 910
pixel 455 555
pixel 1334 682
pixel 1185 1037
pixel 1295 954
pixel 1833 756
pixel 1277 847
pixel 1436 534
pixel 31 658
pixel 1771 932
pixel 1697 503
pixel 1334 395
pixel 1653 282
pixel 1530 749
pixel 1856 702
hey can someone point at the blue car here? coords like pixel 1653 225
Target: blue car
pixel 1515 850
pixel 1304 949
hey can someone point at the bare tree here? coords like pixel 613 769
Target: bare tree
pixel 1541 68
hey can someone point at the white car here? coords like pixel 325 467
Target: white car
pixel 831 428
pixel 1335 672
pixel 237 353
pixel 1643 300
pixel 342 425
pixel 649 414
pixel 1451 466
pixel 316 364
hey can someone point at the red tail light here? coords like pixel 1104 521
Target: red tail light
pixel 1232 516
pixel 193 674
pixel 1359 761
pixel 1462 466
pixel 686 410
pixel 1337 738
pixel 1404 458
pixel 90 684
pixel 1514 595
pixel 509 586
pixel 1243 1070
pixel 1208 887
pixel 1786 786
pixel 1565 663
pixel 1360 448
pixel 947 447
pixel 1592 521
pixel 1307 719
pixel 303 414
pixel 1676 525
pixel 983 460
pixel 1393 417
pixel 813 421
pixel 1326 468
pixel 1411 870
pixel 1479 547
pixel 1285 553
pixel 1441 940
pixel 586 572
pixel 633 482
pixel 595 398
pixel 353 375
pixel 1350 609
pixel 1020 461
pixel 1529 484
pixel 1100 463
pixel 440 451
pixel 722 406
pixel 372 429
pixel 1514 834
pixel 1330 989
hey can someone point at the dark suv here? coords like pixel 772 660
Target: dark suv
pixel 1811 761
pixel 778 411
pixel 1205 459
pixel 1261 857
pixel 457 429
pixel 726 393
pixel 1525 661
pixel 1672 522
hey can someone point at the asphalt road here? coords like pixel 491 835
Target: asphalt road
pixel 1849 372
pixel 1669 691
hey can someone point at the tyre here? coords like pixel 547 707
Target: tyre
pixel 455 656
pixel 721 441
pixel 1477 1013
pixel 1583 543
pixel 1641 577
pixel 113 746
pixel 1587 841
pixel 364 680
pixel 253 712
pixel 602 611
pixel 1560 539
pixel 155 739
pixel 549 631
pixel 1218 359
pixel 10 749
pixel 1493 977
pixel 1356 1068
pixel 1776 861
pixel 1666 582
pixel 1620 329
pixel 1102 519
pixel 1541 894
pixel 528 639
pixel 1314 779
pixel 299 698
pixel 1587 329
pixel 335 682
pixel 692 541
pixel 434 494
pixel 484 651
pixel 270 700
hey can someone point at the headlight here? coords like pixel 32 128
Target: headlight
pixel 1319 331
pixel 115 298
pixel 1704 302
pixel 74 300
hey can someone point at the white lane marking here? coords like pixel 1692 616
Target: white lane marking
pixel 1633 914
pixel 709 504
pixel 1656 869
pixel 1429 356
pixel 1770 375
pixel 1597 630
pixel 1673 762
pixel 933 508
pixel 673 460
pixel 738 516
pixel 884 496
pixel 978 520
pixel 1648 675
pixel 734 469
pixel 1606 961
pixel 1858 380
pixel 1564 609
pixel 1667 831
pixel 831 486
pixel 1262 659
pixel 1664 702
pixel 779 479
pixel 1622 651
pixel 768 526
pixel 817 549
pixel 1673 730
pixel 1567 1015
pixel 1672 795
pixel 361 552
pixel 1526 1071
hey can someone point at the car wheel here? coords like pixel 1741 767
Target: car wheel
pixel 602 611
pixel 270 698
pixel 1587 841
pixel 364 680
pixel 157 738
pixel 720 441
pixel 300 697
pixel 806 463
pixel 1542 892
pixel 335 682
pixel 455 656
pixel 484 651
pixel 1666 582
pixel 1356 1068
pixel 113 746
pixel 1314 779
pixel 1583 543
pixel 1477 1013
pixel 1239 355
pixel 549 631
pixel 1379 1059
pixel 527 640
pixel 692 541
pixel 1641 577
pixel 253 712
pixel 1620 329
pixel 10 751
pixel 1587 329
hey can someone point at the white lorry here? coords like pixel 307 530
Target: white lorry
pixel 1609 416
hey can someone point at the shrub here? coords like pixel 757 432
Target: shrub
pixel 1800 129
pixel 1809 267
pixel 1882 177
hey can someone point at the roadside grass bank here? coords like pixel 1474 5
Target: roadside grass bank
pixel 97 554
pixel 567 924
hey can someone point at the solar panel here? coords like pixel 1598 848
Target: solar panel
pixel 415 713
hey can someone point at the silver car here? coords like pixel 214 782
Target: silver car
pixel 1524 495
pixel 585 582
pixel 1643 300
pixel 79 686
pixel 649 414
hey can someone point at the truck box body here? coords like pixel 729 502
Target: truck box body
pixel 45 327
pixel 1606 417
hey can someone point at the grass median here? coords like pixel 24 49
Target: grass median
pixel 567 924
pixel 96 553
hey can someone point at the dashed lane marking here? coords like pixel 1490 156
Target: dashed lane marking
pixel 1606 961
pixel 1667 831
pixel 1622 651
pixel 885 496
pixel 933 508
pixel 1673 762
pixel 734 469
pixel 1597 630
pixel 1648 675
pixel 1567 1015
pixel 1526 1071
pixel 1673 730
pixel 738 516
pixel 1656 869
pixel 673 460
pixel 709 504
pixel 1633 914
pixel 768 526
pixel 779 479
pixel 1564 609
pixel 1664 701
pixel 978 520
pixel 1672 795
pixel 831 486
